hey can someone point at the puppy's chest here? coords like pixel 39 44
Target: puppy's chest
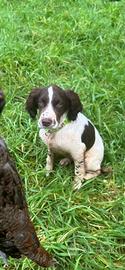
pixel 63 141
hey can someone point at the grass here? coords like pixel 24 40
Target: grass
pixel 78 45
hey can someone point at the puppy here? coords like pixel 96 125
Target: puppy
pixel 79 139
pixel 17 233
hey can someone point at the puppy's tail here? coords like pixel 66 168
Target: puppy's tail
pixel 106 170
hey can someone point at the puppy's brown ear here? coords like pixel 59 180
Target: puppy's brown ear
pixel 2 100
pixel 32 102
pixel 75 105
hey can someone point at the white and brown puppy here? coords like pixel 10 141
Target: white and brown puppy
pixel 79 140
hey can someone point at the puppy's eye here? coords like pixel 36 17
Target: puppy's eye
pixel 42 103
pixel 57 104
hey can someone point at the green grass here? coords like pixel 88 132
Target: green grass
pixel 78 45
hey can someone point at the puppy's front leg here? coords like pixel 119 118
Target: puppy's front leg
pixel 44 135
pixel 49 161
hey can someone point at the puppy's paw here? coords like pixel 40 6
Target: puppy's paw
pixel 49 170
pixel 90 175
pixel 48 173
pixel 77 184
pixel 65 161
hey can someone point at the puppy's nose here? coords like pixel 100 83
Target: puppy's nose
pixel 46 122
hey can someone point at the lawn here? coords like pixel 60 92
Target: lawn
pixel 80 45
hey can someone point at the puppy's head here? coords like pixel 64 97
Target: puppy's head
pixel 53 105
pixel 2 101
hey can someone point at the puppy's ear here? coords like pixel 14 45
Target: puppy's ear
pixel 32 102
pixel 2 101
pixel 75 105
